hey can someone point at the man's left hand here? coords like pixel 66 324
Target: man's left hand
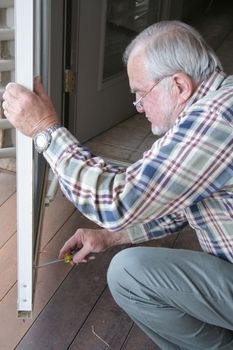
pixel 29 112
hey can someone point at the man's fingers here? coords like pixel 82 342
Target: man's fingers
pixel 15 89
pixel 4 105
pixel 82 255
pixel 68 247
pixel 8 98
pixel 38 87
pixel 7 114
pixel 6 108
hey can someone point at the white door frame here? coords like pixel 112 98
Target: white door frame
pixel 24 24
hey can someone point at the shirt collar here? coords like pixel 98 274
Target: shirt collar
pixel 211 84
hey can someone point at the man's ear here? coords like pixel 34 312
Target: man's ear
pixel 184 86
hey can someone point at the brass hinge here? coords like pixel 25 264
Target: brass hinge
pixel 69 81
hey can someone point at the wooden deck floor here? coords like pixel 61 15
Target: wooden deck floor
pixel 70 301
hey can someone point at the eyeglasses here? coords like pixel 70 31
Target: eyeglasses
pixel 138 103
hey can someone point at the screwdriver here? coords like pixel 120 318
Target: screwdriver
pixel 67 259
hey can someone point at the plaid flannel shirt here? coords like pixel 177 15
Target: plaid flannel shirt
pixel 185 178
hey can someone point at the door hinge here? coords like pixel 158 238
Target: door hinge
pixel 69 81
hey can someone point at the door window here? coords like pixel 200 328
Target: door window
pixel 124 20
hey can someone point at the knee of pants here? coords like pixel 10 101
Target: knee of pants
pixel 140 274
pixel 122 274
pixel 117 269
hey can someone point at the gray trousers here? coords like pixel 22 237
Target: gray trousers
pixel 180 298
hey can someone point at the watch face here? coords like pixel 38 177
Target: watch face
pixel 41 141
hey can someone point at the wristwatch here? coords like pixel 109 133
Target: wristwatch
pixel 43 139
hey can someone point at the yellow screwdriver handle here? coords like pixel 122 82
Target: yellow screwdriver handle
pixel 68 258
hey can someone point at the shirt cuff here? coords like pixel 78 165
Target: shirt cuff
pixel 62 139
pixel 137 234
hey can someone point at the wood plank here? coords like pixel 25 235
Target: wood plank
pixel 8 186
pixel 78 295
pixel 65 313
pixel 48 282
pixel 8 262
pixel 110 322
pixel 7 219
pixel 187 239
pixel 55 215
pixel 8 259
pixel 139 340
pixel 49 279
pixel 167 241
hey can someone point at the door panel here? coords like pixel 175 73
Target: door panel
pixel 101 31
pixel 98 104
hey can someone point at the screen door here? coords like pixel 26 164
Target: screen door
pixel 38 38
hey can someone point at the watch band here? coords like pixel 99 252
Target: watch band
pixel 52 128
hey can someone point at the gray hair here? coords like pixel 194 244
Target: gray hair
pixel 173 46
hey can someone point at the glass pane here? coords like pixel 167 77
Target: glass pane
pixel 125 19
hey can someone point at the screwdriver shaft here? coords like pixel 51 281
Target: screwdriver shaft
pixel 67 259
pixel 49 263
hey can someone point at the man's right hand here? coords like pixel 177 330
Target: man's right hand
pixel 29 112
pixel 89 241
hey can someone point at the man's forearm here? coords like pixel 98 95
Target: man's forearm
pixel 118 238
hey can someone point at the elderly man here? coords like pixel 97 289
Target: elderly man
pixel 181 299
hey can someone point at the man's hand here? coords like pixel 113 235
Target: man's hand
pixel 92 241
pixel 29 112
